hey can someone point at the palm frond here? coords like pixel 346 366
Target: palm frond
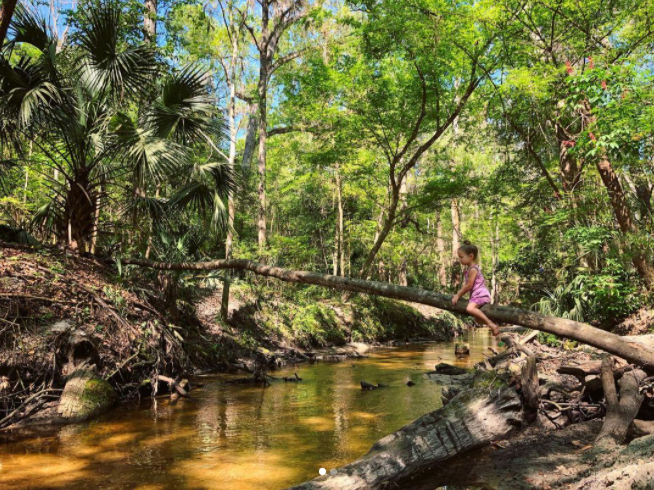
pixel 31 28
pixel 222 174
pixel 48 217
pixel 24 91
pixel 107 66
pixel 151 157
pixel 186 111
pixel 202 198
pixel 153 207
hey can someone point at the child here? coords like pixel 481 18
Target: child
pixel 474 282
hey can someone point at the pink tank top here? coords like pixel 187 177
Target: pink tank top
pixel 479 289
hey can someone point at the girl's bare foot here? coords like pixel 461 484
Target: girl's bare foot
pixel 495 329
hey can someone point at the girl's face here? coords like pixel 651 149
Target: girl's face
pixel 464 258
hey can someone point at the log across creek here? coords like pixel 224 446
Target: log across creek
pixel 633 352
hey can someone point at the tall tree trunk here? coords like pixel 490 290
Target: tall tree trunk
pixel 456 234
pixel 150 21
pixel 231 206
pixel 440 247
pixel 341 226
pixel 383 233
pixel 623 216
pixel 568 168
pixel 7 8
pixel 261 160
pixel 402 275
pixel 96 224
pixel 495 249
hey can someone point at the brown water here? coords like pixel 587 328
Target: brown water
pixel 235 437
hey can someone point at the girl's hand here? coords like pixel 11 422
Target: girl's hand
pixel 455 299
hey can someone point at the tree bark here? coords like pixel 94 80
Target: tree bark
pixel 339 195
pixel 623 215
pixel 619 413
pixel 530 388
pixel 440 248
pixel 6 13
pixel 633 352
pixel 456 234
pixel 150 21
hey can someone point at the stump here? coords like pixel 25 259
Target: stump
pixel 85 396
pixel 461 349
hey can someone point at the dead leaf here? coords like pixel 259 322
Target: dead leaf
pixel 586 448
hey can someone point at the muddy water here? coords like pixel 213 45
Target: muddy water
pixel 241 437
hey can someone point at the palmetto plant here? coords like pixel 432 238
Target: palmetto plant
pixel 101 110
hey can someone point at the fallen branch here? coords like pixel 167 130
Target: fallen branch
pixel 634 353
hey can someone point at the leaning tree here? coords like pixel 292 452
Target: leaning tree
pixel 103 111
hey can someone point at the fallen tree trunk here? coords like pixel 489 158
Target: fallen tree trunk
pixel 631 351
pixel 472 419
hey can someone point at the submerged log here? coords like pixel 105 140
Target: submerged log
pixel 634 352
pixel 472 419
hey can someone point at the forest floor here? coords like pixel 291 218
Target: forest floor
pixel 59 311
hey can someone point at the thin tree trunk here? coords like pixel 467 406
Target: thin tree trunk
pixel 339 195
pixel 495 242
pixel 456 234
pixel 440 247
pixel 150 21
pixel 96 225
pixel 231 206
pixel 632 351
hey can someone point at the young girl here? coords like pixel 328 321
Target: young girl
pixel 474 282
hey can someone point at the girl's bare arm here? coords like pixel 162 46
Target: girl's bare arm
pixel 472 275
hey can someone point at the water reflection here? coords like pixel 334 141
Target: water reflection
pixel 241 437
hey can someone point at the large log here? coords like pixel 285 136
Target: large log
pixel 472 419
pixel 631 351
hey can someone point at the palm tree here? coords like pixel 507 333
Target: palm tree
pixel 104 109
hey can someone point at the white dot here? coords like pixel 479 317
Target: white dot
pixel 322 471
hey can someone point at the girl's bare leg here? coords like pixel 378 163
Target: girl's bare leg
pixel 473 309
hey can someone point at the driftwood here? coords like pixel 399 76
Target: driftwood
pixel 470 420
pixel 296 378
pixel 634 352
pixel 621 412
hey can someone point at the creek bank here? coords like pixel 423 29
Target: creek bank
pixel 61 310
